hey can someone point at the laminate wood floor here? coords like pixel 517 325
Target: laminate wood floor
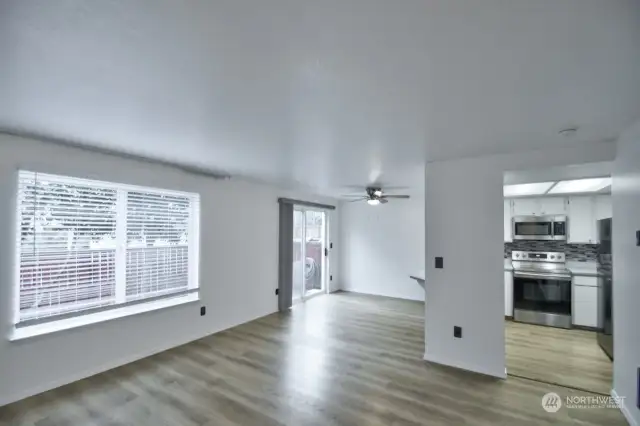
pixel 339 359
pixel 554 355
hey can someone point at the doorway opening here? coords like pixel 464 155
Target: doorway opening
pixel 310 253
pixel 557 256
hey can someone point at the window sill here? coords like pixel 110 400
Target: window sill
pixel 80 321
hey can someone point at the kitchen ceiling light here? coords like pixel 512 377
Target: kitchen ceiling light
pixel 373 202
pixel 527 189
pixel 580 185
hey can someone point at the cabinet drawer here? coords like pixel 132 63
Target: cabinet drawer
pixel 585 281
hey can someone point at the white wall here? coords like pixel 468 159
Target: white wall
pixel 464 224
pixel 381 245
pixel 626 281
pixel 238 271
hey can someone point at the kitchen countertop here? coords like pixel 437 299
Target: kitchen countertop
pixel 507 265
pixel 576 268
pixel 419 275
pixel 583 268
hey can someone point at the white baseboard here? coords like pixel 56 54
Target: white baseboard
pixel 472 368
pixel 625 410
pixel 390 296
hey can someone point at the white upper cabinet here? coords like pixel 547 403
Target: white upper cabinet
pixel 553 205
pixel 583 211
pixel 507 221
pixel 526 206
pixel 603 207
pixel 582 222
pixel 539 206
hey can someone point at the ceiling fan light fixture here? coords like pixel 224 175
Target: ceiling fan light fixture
pixel 373 201
pixel 377 192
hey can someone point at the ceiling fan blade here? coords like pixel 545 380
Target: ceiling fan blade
pixel 383 200
pixel 396 196
pixel 357 199
pixel 388 187
pixel 352 195
pixel 354 188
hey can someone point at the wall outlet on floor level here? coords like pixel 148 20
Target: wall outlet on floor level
pixel 203 310
pixel 457 331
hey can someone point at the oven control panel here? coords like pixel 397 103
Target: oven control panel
pixel 538 256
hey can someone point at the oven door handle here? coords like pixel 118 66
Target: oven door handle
pixel 537 275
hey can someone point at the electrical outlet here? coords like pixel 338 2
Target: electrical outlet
pixel 203 311
pixel 457 331
pixel 439 263
pixel 277 291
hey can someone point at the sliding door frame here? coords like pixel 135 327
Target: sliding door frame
pixel 324 264
pixel 286 245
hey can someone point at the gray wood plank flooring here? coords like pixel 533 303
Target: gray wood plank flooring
pixel 566 357
pixel 340 359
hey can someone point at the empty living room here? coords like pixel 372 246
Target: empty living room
pixel 338 212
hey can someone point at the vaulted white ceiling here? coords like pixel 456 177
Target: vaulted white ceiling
pixel 321 93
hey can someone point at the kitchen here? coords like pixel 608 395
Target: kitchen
pixel 557 280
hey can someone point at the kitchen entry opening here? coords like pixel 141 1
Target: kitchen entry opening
pixel 310 253
pixel 557 263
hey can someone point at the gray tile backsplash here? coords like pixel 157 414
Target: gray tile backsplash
pixel 573 252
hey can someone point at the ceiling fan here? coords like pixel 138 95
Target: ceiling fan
pixel 375 196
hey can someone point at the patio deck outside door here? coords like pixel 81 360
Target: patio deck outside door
pixel 309 253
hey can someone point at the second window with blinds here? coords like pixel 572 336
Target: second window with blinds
pixel 86 246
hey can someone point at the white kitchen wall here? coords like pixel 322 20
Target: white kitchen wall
pixel 464 224
pixel 381 246
pixel 626 258
pixel 238 271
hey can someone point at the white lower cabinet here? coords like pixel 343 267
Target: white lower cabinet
pixel 508 293
pixel 585 302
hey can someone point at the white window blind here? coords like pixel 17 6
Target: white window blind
pixel 86 245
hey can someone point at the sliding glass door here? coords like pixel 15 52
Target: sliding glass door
pixel 309 253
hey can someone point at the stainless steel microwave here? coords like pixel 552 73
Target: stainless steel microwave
pixel 552 227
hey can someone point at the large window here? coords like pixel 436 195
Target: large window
pixel 86 245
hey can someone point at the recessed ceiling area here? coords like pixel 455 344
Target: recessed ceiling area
pixel 581 186
pixel 585 178
pixel 320 95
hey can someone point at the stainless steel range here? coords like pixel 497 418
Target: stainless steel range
pixel 541 288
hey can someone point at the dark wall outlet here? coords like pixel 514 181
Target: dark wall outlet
pixel 277 291
pixel 638 238
pixel 439 262
pixel 203 311
pixel 457 331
